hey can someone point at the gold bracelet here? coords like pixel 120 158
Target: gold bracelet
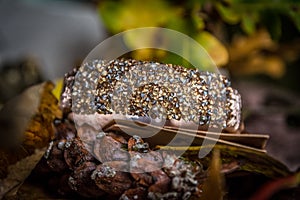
pixel 155 90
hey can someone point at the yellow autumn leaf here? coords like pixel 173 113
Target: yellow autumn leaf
pixel 140 43
pixel 59 83
pixel 214 47
pixel 124 15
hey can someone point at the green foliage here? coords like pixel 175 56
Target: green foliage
pixel 205 21
pixel 123 15
pixel 264 13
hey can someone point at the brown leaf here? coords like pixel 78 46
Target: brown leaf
pixel 29 117
pixel 247 57
pixel 242 46
pixel 213 186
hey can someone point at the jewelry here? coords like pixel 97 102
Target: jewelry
pixel 154 90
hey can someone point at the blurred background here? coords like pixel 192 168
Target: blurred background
pixel 256 43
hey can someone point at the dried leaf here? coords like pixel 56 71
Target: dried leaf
pixel 249 160
pixel 213 186
pixel 18 172
pixel 32 114
pixel 243 46
pixel 165 134
pixel 247 57
pixel 245 149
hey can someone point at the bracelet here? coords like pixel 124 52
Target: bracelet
pixel 155 90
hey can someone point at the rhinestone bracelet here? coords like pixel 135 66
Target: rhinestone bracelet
pixel 154 90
